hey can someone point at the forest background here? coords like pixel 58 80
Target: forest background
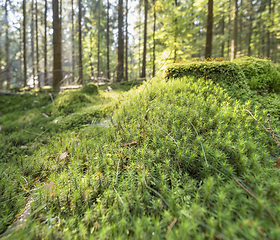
pixel 55 42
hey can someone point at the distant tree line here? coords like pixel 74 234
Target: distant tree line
pixel 52 42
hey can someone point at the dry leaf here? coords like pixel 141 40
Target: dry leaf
pixel 63 156
pixel 45 115
pixel 277 163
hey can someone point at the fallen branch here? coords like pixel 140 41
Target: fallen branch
pixel 252 195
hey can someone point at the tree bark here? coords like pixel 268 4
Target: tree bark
pixel 250 27
pixel 108 40
pixel 57 73
pixel 8 64
pixel 268 30
pixel 229 28
pixel 143 75
pixel 154 42
pixel 32 43
pixel 73 42
pixel 45 47
pixel 37 46
pixel 98 40
pixel 24 44
pixel 1 81
pixel 175 35
pixel 223 32
pixel 126 41
pixel 234 39
pixel 120 42
pixel 208 49
pixel 80 44
pixel 240 29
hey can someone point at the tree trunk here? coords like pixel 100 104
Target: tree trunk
pixel 1 81
pixel 32 43
pixel 126 41
pixel 98 41
pixel 80 44
pixel 268 30
pixel 8 64
pixel 45 47
pixel 57 73
pixel 120 42
pixel 229 27
pixel 143 75
pixel 175 34
pixel 24 44
pixel 108 40
pixel 37 46
pixel 209 33
pixel 250 27
pixel 234 39
pixel 154 42
pixel 223 32
pixel 240 30
pixel 73 42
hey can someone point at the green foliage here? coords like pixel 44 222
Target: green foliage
pixel 192 138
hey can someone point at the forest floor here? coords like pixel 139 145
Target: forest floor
pixel 163 159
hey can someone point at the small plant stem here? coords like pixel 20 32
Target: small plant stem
pixel 252 195
pixel 31 132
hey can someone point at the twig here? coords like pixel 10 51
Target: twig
pixel 128 144
pixel 51 97
pixel 31 132
pixel 171 226
pixel 252 195
pixel 270 130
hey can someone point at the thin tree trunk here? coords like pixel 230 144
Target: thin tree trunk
pixel 240 30
pixel 1 81
pixel 268 30
pixel 8 64
pixel 24 44
pixel 272 32
pixel 143 75
pixel 139 40
pixel 91 60
pixel 108 40
pixel 120 42
pixel 263 38
pixel 208 49
pixel 98 41
pixel 126 41
pixel 229 27
pixel 80 44
pixel 73 42
pixel 37 46
pixel 250 27
pixel 154 42
pixel 234 39
pixel 175 35
pixel 45 47
pixel 32 43
pixel 223 32
pixel 57 73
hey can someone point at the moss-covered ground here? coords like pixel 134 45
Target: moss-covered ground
pixel 164 160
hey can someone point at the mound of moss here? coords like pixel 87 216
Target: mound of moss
pixel 163 170
pixel 261 74
pixel 90 88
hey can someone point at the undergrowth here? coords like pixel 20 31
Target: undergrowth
pixel 161 166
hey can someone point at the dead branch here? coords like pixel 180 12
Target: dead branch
pixel 252 195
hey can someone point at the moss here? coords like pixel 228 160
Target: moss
pixel 90 88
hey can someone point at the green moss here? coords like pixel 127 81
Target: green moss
pixel 261 74
pixel 90 88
